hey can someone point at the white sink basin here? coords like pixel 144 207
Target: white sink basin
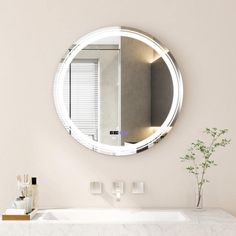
pixel 112 215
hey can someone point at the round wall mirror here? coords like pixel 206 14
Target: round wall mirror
pixel 118 91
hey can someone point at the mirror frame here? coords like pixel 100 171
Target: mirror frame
pixel 176 80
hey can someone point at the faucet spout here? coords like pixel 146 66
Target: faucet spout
pixel 118 195
pixel 118 189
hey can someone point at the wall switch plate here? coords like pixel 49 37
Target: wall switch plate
pixel 138 187
pixel 96 187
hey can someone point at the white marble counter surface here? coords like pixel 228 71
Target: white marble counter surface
pixel 209 222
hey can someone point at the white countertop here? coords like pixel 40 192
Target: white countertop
pixel 208 222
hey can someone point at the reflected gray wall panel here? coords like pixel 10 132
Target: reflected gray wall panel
pixel 161 92
pixel 135 89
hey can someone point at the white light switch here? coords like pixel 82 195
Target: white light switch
pixel 96 187
pixel 138 187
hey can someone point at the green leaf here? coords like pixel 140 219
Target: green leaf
pixel 199 154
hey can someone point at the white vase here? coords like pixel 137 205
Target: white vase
pixel 28 204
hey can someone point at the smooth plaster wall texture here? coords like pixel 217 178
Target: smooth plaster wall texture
pixel 35 34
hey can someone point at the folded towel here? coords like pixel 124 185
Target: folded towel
pixel 15 212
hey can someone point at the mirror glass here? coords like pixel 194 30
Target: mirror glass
pixel 118 91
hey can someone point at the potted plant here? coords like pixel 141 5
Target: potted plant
pixel 200 157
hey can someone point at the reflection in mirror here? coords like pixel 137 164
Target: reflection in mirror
pixel 118 91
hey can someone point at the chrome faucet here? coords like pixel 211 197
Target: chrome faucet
pixel 118 189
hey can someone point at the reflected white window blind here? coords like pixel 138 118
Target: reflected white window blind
pixel 81 95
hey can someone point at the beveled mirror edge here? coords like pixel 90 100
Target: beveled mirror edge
pixel 146 143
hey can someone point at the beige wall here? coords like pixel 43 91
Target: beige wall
pixel 34 34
